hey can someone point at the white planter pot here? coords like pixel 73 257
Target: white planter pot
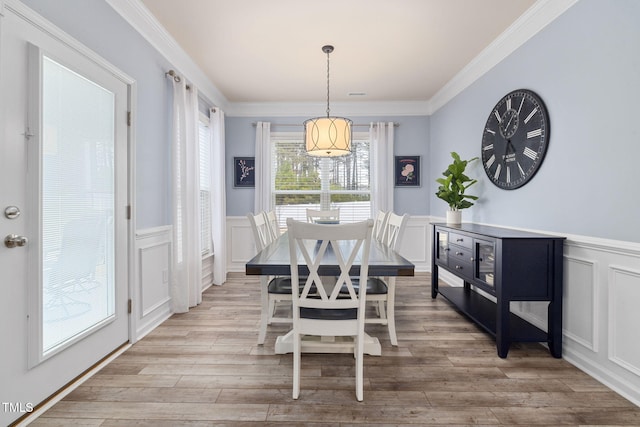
pixel 454 217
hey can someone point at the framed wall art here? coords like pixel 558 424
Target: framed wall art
pixel 244 172
pixel 407 171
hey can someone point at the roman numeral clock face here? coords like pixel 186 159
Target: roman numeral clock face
pixel 515 139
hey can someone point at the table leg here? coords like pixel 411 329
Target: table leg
pixel 264 312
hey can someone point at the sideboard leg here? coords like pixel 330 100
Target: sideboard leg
pixel 554 323
pixel 434 281
pixel 502 328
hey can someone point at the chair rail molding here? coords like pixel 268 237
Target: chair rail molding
pixel 415 243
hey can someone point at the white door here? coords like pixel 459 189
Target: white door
pixel 63 206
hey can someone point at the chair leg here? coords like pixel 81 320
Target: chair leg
pixel 296 364
pixel 272 310
pixel 391 310
pixel 382 313
pixel 264 312
pixel 359 369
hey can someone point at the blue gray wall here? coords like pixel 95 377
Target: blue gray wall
pixel 586 67
pixel 99 27
pixel 411 138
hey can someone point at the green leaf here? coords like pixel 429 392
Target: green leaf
pixel 452 188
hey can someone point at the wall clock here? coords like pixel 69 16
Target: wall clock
pixel 515 139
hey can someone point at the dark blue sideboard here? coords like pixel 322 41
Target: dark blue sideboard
pixel 510 265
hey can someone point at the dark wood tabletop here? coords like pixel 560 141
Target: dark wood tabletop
pixel 274 260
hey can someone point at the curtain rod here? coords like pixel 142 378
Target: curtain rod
pixel 300 124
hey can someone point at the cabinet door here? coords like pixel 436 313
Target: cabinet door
pixel 442 250
pixel 484 261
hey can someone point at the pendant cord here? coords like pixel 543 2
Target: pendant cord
pixel 328 83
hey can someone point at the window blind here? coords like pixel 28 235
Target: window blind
pixel 205 188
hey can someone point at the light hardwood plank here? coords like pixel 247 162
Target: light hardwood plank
pixel 203 368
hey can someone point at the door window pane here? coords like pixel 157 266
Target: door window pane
pixel 77 205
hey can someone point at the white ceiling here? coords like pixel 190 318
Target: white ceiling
pixel 257 51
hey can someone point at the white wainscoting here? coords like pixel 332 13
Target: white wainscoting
pixel 151 301
pixel 601 298
pixel 602 293
pixel 415 243
pixel 600 310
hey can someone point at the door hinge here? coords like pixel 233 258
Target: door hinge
pixel 129 305
pixel 128 213
pixel 128 118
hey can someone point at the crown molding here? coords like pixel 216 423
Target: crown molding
pixel 530 23
pixel 538 16
pixel 314 109
pixel 139 17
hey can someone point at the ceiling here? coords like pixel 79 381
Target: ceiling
pixel 257 51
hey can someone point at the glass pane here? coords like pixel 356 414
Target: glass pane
pixel 77 205
pixel 486 261
pixel 205 189
pixel 353 207
pixel 295 206
pixel 443 246
pixel 301 181
pixel 351 172
pixel 293 169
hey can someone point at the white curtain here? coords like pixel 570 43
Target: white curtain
pixel 218 197
pixel 186 277
pixel 382 173
pixel 262 200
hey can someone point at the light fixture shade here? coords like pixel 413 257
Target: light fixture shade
pixel 328 136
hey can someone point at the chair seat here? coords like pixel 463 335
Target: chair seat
pixel 375 286
pixel 329 314
pixel 282 285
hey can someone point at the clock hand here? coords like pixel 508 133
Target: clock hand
pixel 509 122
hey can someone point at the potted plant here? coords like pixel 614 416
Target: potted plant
pixel 453 186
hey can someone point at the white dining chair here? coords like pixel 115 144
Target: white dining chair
pixel 328 312
pixel 273 224
pixel 382 290
pixel 379 225
pixel 315 215
pixel 394 230
pixel 261 233
pixel 273 289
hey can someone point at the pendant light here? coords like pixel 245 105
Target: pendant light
pixel 328 136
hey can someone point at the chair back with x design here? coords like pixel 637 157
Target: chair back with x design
pixel 318 307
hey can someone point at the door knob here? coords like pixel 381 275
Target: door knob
pixel 13 240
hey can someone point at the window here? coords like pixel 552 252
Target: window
pixel 300 181
pixel 204 134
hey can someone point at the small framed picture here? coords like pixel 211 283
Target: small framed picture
pixel 407 171
pixel 244 172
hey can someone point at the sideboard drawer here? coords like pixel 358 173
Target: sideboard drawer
pixel 460 240
pixel 462 268
pixel 462 253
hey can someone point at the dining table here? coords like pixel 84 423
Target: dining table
pixel 274 260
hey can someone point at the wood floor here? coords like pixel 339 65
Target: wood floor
pixel 204 368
